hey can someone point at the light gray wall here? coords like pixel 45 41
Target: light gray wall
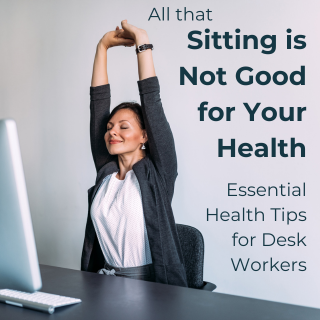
pixel 47 50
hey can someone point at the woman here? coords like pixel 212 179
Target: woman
pixel 130 229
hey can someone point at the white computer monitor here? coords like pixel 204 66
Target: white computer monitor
pixel 19 267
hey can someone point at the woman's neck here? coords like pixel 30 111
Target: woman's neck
pixel 126 162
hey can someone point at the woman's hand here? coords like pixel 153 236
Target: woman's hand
pixel 140 36
pixel 116 38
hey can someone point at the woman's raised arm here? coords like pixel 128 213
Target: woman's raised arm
pixel 160 138
pixel 100 96
pixel 145 61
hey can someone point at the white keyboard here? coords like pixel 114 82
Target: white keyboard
pixel 41 301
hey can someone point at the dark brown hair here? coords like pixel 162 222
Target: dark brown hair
pixel 136 108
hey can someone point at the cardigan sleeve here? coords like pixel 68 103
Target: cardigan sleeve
pixel 160 137
pixel 99 112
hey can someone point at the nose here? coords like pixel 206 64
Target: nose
pixel 113 132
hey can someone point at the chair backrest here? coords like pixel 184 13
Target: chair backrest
pixel 192 246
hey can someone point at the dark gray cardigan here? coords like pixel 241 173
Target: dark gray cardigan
pixel 156 174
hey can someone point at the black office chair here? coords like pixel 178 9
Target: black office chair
pixel 192 246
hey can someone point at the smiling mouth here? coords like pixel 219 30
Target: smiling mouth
pixel 114 141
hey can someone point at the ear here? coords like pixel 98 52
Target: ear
pixel 145 136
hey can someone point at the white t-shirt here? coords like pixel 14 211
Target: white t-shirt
pixel 118 219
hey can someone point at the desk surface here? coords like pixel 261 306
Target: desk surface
pixel 108 297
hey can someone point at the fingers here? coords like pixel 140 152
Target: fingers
pixel 125 35
pixel 127 42
pixel 118 31
pixel 123 22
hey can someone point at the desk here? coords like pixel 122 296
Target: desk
pixel 109 297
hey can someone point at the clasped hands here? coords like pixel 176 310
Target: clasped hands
pixel 127 36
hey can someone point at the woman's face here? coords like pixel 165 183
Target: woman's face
pixel 124 134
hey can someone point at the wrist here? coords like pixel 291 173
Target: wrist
pixel 102 46
pixel 141 38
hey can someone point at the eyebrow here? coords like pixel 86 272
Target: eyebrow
pixel 119 121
